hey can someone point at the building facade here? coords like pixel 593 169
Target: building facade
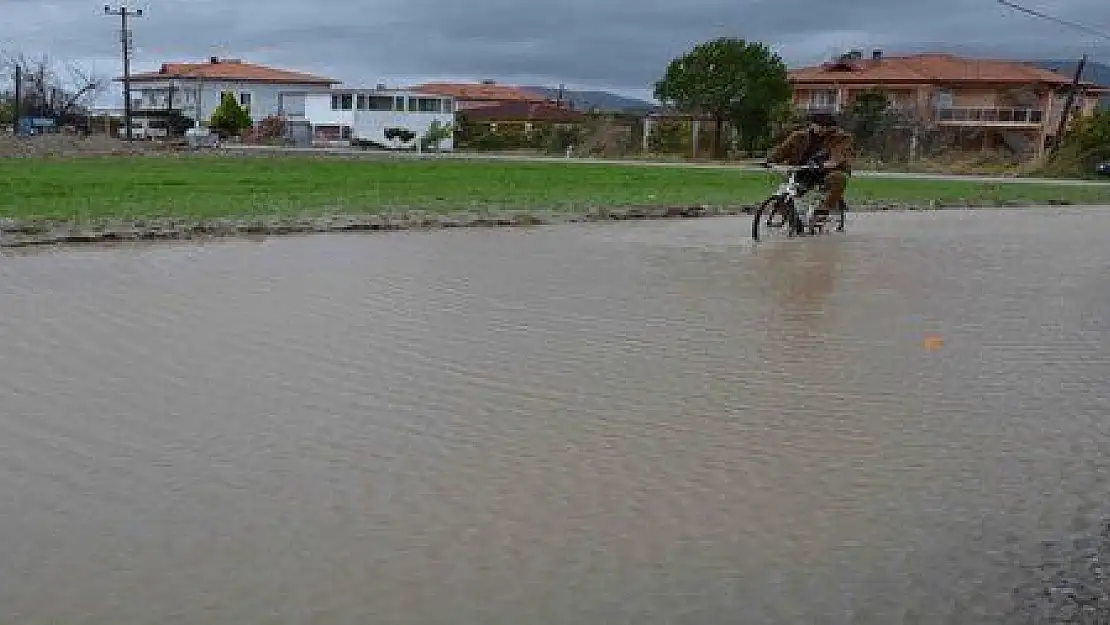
pixel 194 89
pixel 343 115
pixel 1020 103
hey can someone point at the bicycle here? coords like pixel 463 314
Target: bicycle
pixel 784 203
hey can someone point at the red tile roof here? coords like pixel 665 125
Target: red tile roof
pixel 233 69
pixel 480 92
pixel 524 112
pixel 926 68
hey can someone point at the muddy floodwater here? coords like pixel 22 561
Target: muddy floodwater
pixel 585 424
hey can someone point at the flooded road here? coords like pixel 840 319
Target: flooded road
pixel 614 423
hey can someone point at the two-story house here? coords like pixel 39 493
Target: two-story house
pixel 195 89
pixel 1017 102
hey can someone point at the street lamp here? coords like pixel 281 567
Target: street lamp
pixel 125 42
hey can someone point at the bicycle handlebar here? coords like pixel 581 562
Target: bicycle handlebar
pixel 786 169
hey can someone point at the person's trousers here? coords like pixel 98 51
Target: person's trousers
pixel 835 183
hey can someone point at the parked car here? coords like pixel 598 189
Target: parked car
pixel 1103 169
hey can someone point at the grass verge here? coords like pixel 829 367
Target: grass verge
pixel 97 189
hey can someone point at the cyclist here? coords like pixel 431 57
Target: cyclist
pixel 822 139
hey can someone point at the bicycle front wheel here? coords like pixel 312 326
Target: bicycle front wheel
pixel 775 217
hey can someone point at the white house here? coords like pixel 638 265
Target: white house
pixel 194 89
pixel 345 114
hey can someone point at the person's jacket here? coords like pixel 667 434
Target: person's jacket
pixel 838 144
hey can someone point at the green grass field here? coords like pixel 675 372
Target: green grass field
pixel 204 187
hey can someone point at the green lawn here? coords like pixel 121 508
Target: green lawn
pixel 97 188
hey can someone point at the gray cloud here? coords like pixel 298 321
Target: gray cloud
pixel 618 44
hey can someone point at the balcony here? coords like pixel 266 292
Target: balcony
pixel 810 107
pixel 989 116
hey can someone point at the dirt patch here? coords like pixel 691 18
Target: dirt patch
pixel 62 145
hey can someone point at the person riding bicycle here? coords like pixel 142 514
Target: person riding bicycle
pixel 822 139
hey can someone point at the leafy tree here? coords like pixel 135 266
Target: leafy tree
pixel 230 119
pixel 1090 135
pixel 669 137
pixel 869 118
pixel 436 134
pixel 6 111
pixel 1086 143
pixel 732 80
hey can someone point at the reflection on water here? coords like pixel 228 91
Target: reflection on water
pixel 639 423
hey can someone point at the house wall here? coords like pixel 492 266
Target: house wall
pixel 371 125
pixel 265 98
pixel 974 98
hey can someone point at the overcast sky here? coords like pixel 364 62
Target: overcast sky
pixel 621 45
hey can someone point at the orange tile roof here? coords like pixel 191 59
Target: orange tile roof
pixel 480 92
pixel 232 69
pixel 927 68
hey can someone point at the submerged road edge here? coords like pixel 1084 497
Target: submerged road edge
pixel 16 233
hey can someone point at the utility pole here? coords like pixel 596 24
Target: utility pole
pixel 1069 103
pixel 17 107
pixel 125 42
pixel 1074 91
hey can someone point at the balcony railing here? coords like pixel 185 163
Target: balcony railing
pixel 990 115
pixel 809 107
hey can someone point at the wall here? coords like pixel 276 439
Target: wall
pixel 371 125
pixel 974 98
pixel 264 97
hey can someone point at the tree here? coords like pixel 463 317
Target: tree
pixel 437 133
pixel 1086 143
pixel 732 80
pixel 58 91
pixel 868 118
pixel 229 119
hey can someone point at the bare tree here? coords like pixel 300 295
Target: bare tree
pixel 58 90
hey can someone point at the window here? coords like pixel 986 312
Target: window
pixel 380 103
pixel 943 99
pixel 412 104
pixel 342 102
pixel 245 99
pixel 429 105
pixel 360 102
pixel 399 103
pixel 448 105
pixel 823 99
pixel 335 103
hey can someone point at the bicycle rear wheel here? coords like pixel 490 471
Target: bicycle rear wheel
pixel 775 217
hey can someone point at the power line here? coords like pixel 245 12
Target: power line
pixel 1038 14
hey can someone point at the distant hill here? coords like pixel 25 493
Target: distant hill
pixel 603 100
pixel 1098 73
